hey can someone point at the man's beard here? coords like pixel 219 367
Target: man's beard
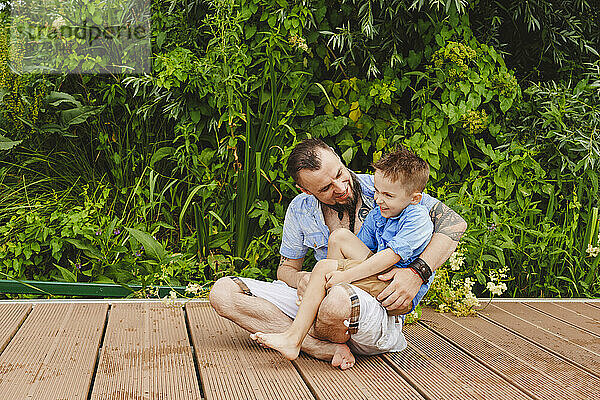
pixel 349 206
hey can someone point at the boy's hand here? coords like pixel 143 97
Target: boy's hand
pixel 335 277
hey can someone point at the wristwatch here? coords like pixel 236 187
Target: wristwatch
pixel 421 268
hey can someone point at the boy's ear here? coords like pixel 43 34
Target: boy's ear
pixel 416 198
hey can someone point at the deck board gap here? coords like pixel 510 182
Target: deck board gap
pixel 407 378
pixel 482 362
pixel 306 380
pixel 597 305
pixel 14 332
pixel 561 320
pixel 194 355
pixel 99 353
pixel 548 350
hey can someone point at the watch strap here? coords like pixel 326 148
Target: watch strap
pixel 421 268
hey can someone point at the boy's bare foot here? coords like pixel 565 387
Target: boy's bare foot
pixel 343 357
pixel 278 341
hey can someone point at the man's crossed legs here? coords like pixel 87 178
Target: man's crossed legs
pixel 347 318
pixel 326 340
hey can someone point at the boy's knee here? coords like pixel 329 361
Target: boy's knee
pixel 340 235
pixel 220 295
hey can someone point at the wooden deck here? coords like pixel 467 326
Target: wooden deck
pixel 146 350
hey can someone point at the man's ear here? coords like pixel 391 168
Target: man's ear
pixel 303 190
pixel 416 198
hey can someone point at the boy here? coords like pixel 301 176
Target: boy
pixel 397 230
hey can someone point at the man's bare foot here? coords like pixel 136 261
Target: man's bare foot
pixel 343 357
pixel 278 341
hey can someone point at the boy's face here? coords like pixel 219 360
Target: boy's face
pixel 391 197
pixel 331 184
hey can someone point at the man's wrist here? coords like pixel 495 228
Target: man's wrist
pixel 421 268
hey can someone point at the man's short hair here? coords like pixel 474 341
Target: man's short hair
pixel 306 156
pixel 404 166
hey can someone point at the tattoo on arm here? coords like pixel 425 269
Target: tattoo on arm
pixel 447 222
pixel 282 260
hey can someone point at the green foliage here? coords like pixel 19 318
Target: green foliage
pixel 187 163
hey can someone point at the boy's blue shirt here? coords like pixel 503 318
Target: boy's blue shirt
pixel 406 234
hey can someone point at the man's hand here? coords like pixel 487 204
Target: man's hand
pixel 301 285
pixel 403 288
pixel 334 277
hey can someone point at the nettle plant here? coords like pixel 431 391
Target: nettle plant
pixel 461 96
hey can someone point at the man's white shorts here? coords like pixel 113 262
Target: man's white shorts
pixel 376 331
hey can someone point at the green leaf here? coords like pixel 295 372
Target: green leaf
pixel 88 249
pixel 505 103
pixel 152 247
pixel 250 30
pixel 465 87
pixel 480 278
pixel 79 115
pixel 160 154
pixel 67 275
pixel 7 144
pixel 219 239
pixel 347 155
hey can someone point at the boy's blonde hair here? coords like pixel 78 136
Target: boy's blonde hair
pixel 405 167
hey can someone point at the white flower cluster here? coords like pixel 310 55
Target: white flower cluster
pixel 468 284
pixel 593 251
pixel 456 260
pixel 498 275
pixel 299 42
pixel 496 288
pixel 171 299
pixel 193 289
pixel 470 300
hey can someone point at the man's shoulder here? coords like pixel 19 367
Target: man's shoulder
pixel 367 182
pixel 302 203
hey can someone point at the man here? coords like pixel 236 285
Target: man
pixel 334 197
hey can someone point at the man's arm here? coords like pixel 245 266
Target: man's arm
pixel 448 228
pixel 290 271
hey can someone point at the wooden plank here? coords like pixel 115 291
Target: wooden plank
pixel 570 342
pixel 442 371
pixel 593 304
pixel 583 309
pixel 369 378
pixel 146 355
pixel 570 313
pixel 11 318
pixel 53 354
pixel 533 370
pixel 233 367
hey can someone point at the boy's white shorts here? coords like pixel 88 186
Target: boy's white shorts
pixel 376 333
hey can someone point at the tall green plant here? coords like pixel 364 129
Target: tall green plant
pixel 279 97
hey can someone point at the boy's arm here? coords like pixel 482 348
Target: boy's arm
pixel 375 264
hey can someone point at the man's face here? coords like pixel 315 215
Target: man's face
pixel 331 184
pixel 392 197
